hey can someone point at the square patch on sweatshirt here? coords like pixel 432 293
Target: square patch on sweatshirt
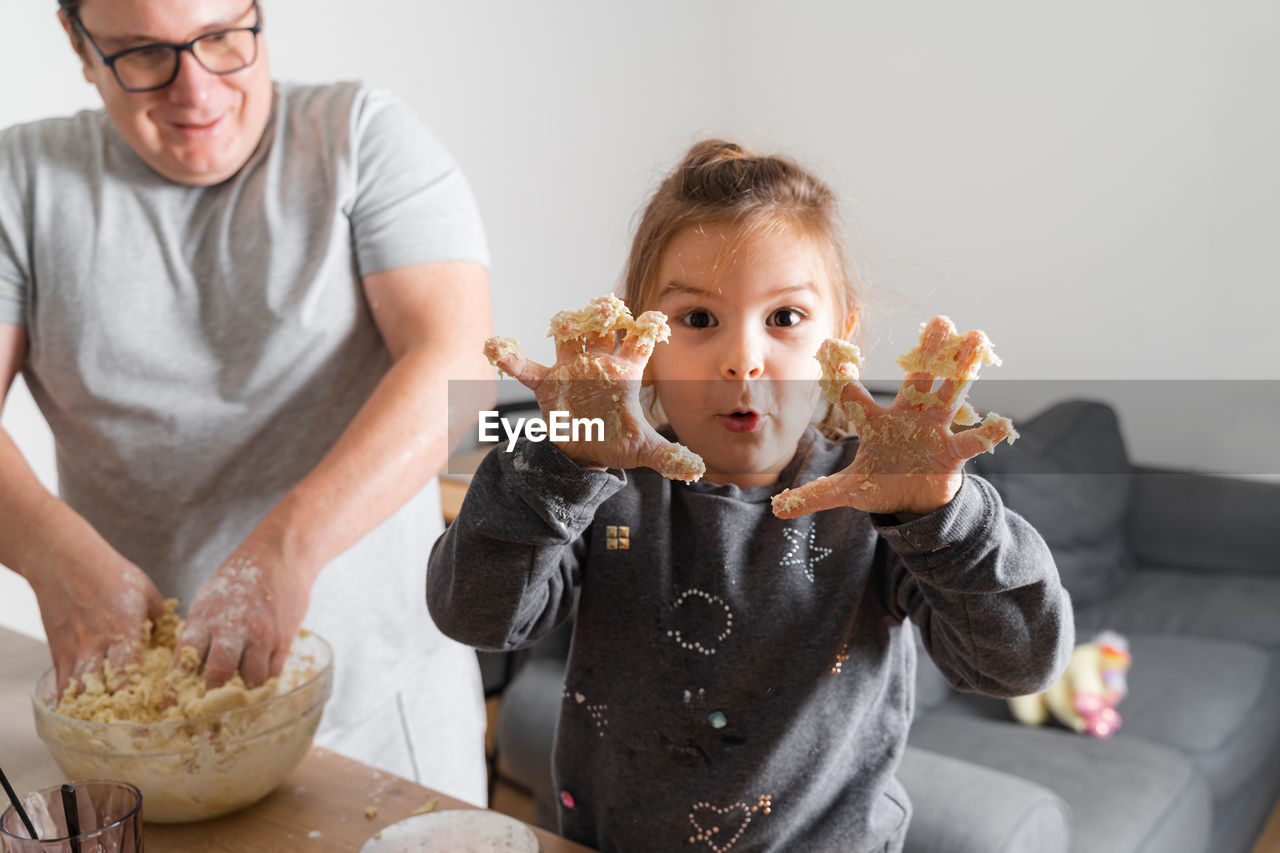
pixel 617 537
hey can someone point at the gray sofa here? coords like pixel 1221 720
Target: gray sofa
pixel 1183 564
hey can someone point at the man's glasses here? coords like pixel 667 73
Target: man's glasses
pixel 154 66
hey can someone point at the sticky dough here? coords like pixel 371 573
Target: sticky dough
pixel 153 690
pixel 203 754
pixel 681 463
pixel 498 348
pixel 899 443
pixel 944 361
pixel 841 364
pixel 607 314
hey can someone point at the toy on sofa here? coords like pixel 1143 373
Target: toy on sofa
pixel 1085 697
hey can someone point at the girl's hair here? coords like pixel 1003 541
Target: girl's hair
pixel 721 182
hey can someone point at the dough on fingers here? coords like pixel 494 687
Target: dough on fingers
pixel 155 690
pixel 947 355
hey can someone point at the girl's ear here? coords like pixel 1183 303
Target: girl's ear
pixel 850 322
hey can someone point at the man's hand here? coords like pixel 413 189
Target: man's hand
pixel 91 612
pixel 244 619
pixel 433 318
pixel 595 376
pixel 909 460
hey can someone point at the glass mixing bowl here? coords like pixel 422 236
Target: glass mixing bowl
pixel 202 767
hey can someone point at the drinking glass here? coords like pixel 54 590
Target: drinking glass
pixel 110 819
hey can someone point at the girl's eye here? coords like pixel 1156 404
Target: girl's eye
pixel 698 318
pixel 786 317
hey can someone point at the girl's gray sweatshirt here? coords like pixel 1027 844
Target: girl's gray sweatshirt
pixel 736 681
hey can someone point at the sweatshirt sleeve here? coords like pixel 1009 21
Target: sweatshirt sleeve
pixel 981 585
pixel 506 570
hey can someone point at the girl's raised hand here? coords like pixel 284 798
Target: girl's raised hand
pixel 596 376
pixel 909 460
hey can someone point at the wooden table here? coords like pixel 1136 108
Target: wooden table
pixel 456 477
pixel 320 807
pixel 452 491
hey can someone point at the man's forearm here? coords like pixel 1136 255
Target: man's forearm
pixel 397 441
pixel 39 529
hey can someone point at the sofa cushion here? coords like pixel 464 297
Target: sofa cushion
pixel 1238 824
pixel 946 793
pixel 1211 700
pixel 527 721
pixel 1189 692
pixel 1125 795
pixel 1193 521
pixel 1069 475
pixel 1209 604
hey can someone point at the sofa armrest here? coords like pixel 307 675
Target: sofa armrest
pixel 1186 520
pixel 527 723
pixel 961 807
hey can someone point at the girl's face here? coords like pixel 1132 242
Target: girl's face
pixel 736 380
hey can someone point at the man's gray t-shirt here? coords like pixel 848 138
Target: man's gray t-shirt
pixel 196 350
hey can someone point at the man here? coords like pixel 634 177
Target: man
pixel 238 305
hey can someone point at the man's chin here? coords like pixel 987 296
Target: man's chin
pixel 200 170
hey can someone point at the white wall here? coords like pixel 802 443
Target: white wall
pixel 1053 173
pixel 1047 169
pixel 1096 173
pixel 562 113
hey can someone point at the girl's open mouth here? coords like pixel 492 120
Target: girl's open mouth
pixel 746 421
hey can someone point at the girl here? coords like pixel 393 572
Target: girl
pixel 739 680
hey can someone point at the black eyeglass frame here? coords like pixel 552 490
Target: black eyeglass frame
pixel 110 61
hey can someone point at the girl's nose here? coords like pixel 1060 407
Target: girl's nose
pixel 742 359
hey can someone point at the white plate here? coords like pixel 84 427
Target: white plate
pixel 455 831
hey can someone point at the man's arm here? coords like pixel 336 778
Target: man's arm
pixel 92 600
pixel 434 319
